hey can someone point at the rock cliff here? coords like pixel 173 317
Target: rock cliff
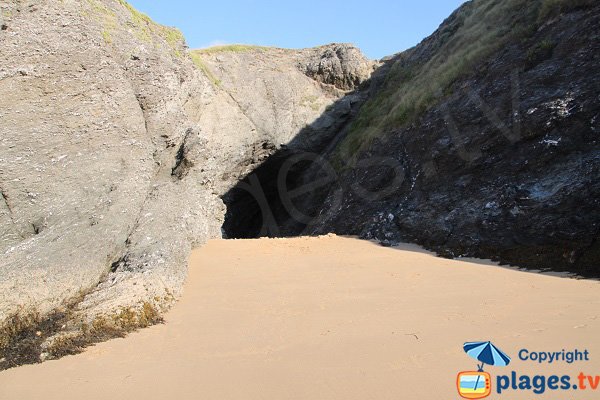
pixel 121 149
pixel 480 141
pixel 116 144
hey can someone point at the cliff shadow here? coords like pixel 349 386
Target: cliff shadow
pixel 281 196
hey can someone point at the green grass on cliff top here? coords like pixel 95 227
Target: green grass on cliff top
pixel 479 29
pixel 196 57
pixel 144 28
pixel 233 48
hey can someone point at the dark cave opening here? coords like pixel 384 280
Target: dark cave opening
pixel 259 205
pixel 283 194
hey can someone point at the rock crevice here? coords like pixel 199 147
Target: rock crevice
pixel 477 142
pixel 121 171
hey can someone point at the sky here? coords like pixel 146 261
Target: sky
pixel 378 27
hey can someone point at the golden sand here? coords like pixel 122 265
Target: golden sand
pixel 330 318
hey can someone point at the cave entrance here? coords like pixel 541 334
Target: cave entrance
pixel 279 198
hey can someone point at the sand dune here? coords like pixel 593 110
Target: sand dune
pixel 330 318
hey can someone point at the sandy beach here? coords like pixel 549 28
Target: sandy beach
pixel 331 318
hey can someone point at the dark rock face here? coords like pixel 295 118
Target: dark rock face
pixel 279 197
pixel 505 165
pixel 255 206
pixel 121 148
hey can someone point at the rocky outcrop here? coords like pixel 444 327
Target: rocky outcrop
pixel 341 65
pixel 120 150
pixel 116 144
pixel 497 156
pixel 93 112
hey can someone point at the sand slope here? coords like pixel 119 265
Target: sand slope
pixel 329 318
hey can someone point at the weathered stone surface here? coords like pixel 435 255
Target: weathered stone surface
pixel 341 65
pixel 120 150
pixel 115 149
pixel 504 165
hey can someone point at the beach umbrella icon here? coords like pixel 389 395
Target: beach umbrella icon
pixel 487 353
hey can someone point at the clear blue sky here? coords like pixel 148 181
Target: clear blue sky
pixel 378 27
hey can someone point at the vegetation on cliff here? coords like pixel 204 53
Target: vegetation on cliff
pixel 423 75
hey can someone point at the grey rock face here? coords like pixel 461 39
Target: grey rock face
pixel 115 149
pixel 92 100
